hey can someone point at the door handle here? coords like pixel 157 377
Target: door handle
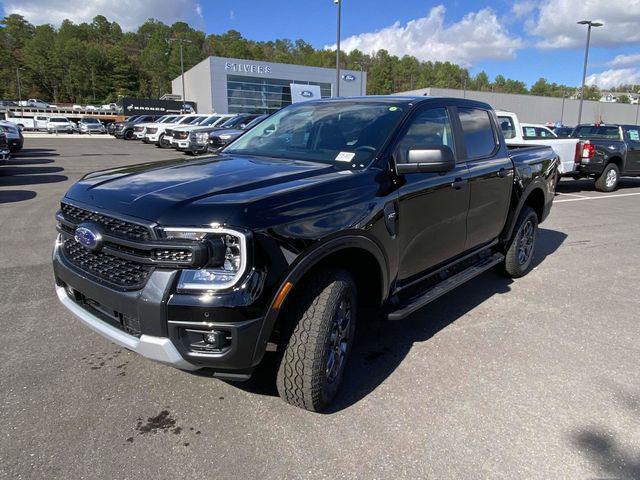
pixel 502 173
pixel 458 183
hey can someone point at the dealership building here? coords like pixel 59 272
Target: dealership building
pixel 231 85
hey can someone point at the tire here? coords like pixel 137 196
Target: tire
pixel 313 338
pixel 608 181
pixel 160 144
pixel 128 135
pixel 519 256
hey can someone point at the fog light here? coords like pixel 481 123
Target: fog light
pixel 216 339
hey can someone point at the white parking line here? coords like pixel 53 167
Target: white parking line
pixel 597 198
pixel 571 195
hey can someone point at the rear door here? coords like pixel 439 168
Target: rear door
pixel 490 175
pixel 432 207
pixel 633 148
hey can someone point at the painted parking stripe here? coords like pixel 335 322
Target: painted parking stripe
pixel 597 198
pixel 571 195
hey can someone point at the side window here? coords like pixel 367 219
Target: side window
pixel 529 132
pixel 431 127
pixel 477 132
pixel 634 134
pixel 507 127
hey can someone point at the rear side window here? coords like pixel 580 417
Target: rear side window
pixel 477 132
pixel 634 134
pixel 507 127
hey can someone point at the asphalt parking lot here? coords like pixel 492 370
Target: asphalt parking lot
pixel 534 378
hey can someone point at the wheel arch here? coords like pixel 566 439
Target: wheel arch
pixel 533 197
pixel 358 254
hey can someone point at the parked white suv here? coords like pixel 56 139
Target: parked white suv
pixel 181 137
pixel 61 124
pixel 140 129
pixel 155 132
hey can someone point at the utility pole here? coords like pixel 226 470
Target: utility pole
pixel 19 88
pixel 181 41
pixel 564 94
pixel 339 4
pixel 590 24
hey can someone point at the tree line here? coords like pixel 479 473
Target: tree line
pixel 97 62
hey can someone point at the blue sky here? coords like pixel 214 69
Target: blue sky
pixel 523 39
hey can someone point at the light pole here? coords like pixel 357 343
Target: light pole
pixel 362 65
pixel 181 40
pixel 590 24
pixel 637 107
pixel 339 4
pixel 18 86
pixel 564 94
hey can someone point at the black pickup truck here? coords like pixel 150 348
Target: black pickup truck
pixel 277 242
pixel 608 152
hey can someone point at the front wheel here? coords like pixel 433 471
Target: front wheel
pixel 519 255
pixel 128 135
pixel 608 181
pixel 319 333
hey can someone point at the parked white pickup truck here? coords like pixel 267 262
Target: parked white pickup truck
pixel 515 133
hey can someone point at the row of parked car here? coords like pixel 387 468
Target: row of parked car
pixel 604 152
pixel 190 133
pixel 11 140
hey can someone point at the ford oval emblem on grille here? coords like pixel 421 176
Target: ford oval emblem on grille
pixel 306 93
pixel 348 77
pixel 89 236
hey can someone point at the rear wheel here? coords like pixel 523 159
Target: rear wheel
pixel 608 181
pixel 318 338
pixel 128 135
pixel 519 255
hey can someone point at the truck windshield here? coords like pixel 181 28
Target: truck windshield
pixel 597 131
pixel 331 132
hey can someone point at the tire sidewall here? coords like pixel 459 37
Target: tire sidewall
pixel 512 265
pixel 330 390
pixel 601 182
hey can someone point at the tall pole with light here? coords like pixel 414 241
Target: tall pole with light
pixel 18 86
pixel 339 4
pixel 181 41
pixel 589 24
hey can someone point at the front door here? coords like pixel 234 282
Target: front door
pixel 432 207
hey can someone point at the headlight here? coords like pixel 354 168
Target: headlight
pixel 228 260
pixel 201 137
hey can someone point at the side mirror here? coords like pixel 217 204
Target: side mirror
pixel 428 159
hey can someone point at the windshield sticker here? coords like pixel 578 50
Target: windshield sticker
pixel 345 156
pixel 634 135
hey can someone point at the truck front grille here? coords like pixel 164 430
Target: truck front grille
pixel 152 130
pixel 114 270
pixel 114 226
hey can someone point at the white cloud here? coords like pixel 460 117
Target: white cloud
pixel 129 14
pixel 554 23
pixel 625 60
pixel 523 8
pixel 614 77
pixel 479 35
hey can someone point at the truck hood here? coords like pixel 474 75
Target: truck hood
pixel 196 192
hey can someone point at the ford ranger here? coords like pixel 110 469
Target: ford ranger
pixel 608 152
pixel 277 242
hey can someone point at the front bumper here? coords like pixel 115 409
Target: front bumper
pixel 155 348
pixel 15 144
pixel 151 138
pixel 168 324
pixel 5 154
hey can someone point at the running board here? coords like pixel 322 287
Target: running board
pixel 446 286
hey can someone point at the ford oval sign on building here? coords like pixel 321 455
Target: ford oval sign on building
pixel 307 93
pixel 349 78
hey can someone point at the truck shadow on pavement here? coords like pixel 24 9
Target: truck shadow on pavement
pixel 382 345
pixel 12 196
pixel 586 185
pixel 23 169
pixel 603 449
